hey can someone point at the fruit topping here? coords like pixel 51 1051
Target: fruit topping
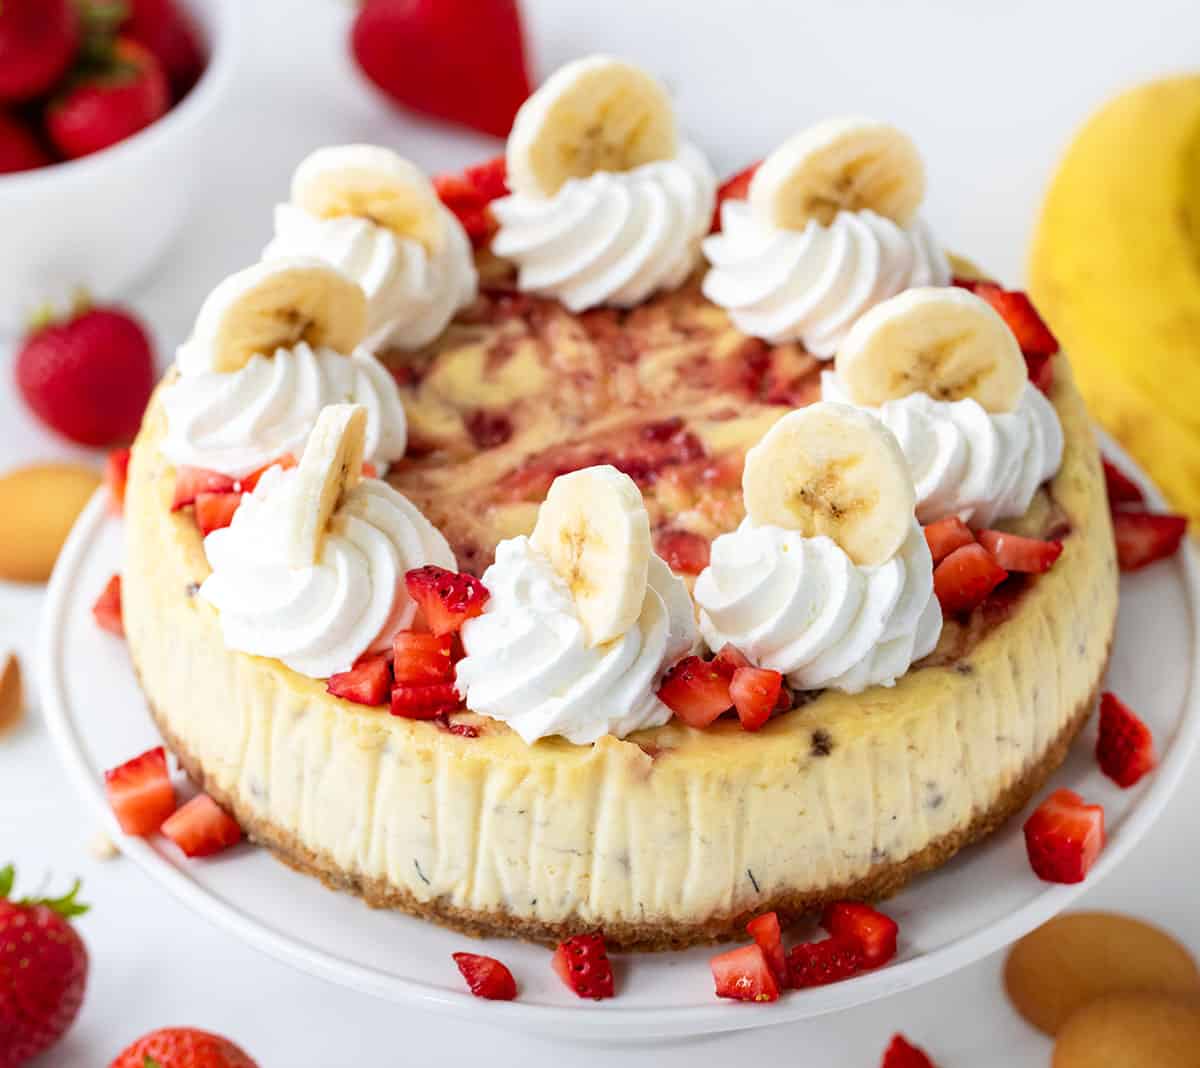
pixel 696 691
pixel 1122 489
pixel 735 188
pixel 1064 837
pixel 1125 746
pixel 582 963
pixel 821 963
pixel 685 552
pixel 1014 553
pixel 1017 310
pixel 214 511
pixel 116 474
pixel 190 482
pixel 469 194
pixel 447 599
pixel 420 658
pixel 107 608
pixel 201 827
pixel 946 535
pixel 755 693
pixel 1143 537
pixel 140 792
pixel 486 976
pixel 182 1047
pixel 368 682
pixel 903 1054
pixel 873 932
pixel 964 579
pixel 768 937
pixel 744 974
pixel 424 700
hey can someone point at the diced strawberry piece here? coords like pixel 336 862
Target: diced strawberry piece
pixel 729 659
pixel 744 974
pixel 735 188
pixel 422 658
pixel 821 963
pixel 1121 488
pixel 447 599
pixel 1017 310
pixel 107 608
pixel 190 482
pixel 140 792
pixel 964 579
pixel 367 683
pixel 1014 553
pixel 582 963
pixel 1064 837
pixel 369 470
pixel 202 827
pixel 946 535
pixel 685 552
pixel 1143 537
pixel 695 691
pixel 486 976
pixel 468 195
pixel 755 693
pixel 424 700
pixel 1040 369
pixel 286 461
pixel 489 178
pixel 903 1054
pixel 214 511
pixel 873 932
pixel 765 931
pixel 116 474
pixel 1125 747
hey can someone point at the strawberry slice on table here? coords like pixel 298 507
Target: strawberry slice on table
pixel 744 974
pixel 427 700
pixel 1014 553
pixel 107 609
pixel 368 682
pixel 421 658
pixel 946 535
pixel 768 937
pixel 734 188
pixel 755 693
pixel 486 976
pixel 1064 837
pixel 1144 537
pixel 964 579
pixel 873 932
pixel 190 482
pixel 447 599
pixel 1125 746
pixel 1121 488
pixel 116 475
pixel 820 963
pixel 201 827
pixel 696 691
pixel 140 792
pixel 903 1054
pixel 215 511
pixel 582 963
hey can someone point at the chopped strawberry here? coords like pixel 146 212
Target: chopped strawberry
pixel 286 461
pixel 468 196
pixel 870 930
pixel 202 827
pixel 755 693
pixel 369 470
pixel 1014 553
pixel 964 579
pixel 107 608
pixel 582 963
pixel 735 188
pixel 140 792
pixel 1143 538
pixel 695 691
pixel 1125 747
pixel 190 482
pixel 420 658
pixel 447 599
pixel 424 700
pixel 1064 837
pixel 1121 488
pixel 765 931
pixel 1040 369
pixel 486 976
pixel 729 659
pixel 116 474
pixel 1017 310
pixel 744 974
pixel 903 1054
pixel 946 535
pixel 685 552
pixel 367 683
pixel 214 511
pixel 821 963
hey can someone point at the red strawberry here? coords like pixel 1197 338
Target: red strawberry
pixel 215 511
pixel 141 793
pixel 459 60
pixel 125 96
pixel 486 977
pixel 116 474
pixel 38 42
pixel 582 963
pixel 165 28
pixel 183 1047
pixel 946 535
pixel 821 963
pixel 735 188
pixel 744 974
pixel 729 659
pixel 765 931
pixel 43 971
pixel 447 599
pixel 1013 553
pixel 755 693
pixel 424 700
pixel 1125 747
pixel 903 1054
pixel 964 579
pixel 1040 369
pixel 88 377
pixel 685 552
pixel 468 196
pixel 190 482
pixel 202 827
pixel 1143 538
pixel 1064 837
pixel 107 608
pixel 870 930
pixel 1121 488
pixel 695 691
pixel 420 658
pixel 287 461
pixel 369 682
pixel 1017 310
pixel 19 149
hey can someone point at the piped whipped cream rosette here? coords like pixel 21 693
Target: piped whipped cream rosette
pixel 272 346
pixel 608 204
pixel 582 621
pixel 829 230
pixel 375 216
pixel 829 579
pixel 311 570
pixel 943 371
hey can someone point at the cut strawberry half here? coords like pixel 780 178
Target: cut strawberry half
pixel 422 658
pixel 903 1054
pixel 1125 746
pixel 735 188
pixel 768 937
pixel 582 963
pixel 1064 837
pixel 202 827
pixel 214 511
pixel 1143 537
pixel 140 792
pixel 1121 488
pixel 874 933
pixel 107 609
pixel 755 693
pixel 447 599
pixel 695 691
pixel 964 579
pixel 821 963
pixel 486 976
pixel 367 683
pixel 744 974
pixel 685 552
pixel 1014 553
pixel 116 474
pixel 1017 310
pixel 424 700
pixel 946 535
pixel 190 482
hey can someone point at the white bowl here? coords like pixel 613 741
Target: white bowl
pixel 103 221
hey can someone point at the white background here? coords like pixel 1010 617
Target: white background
pixel 991 93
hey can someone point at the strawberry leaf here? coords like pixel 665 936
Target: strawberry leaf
pixel 8 875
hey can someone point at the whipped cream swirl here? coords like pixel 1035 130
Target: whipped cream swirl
pixel 319 620
pixel 966 461
pixel 801 606
pixel 612 237
pixel 528 662
pixel 812 285
pixel 412 294
pixel 235 422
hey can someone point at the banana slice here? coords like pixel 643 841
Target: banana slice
pixel 595 114
pixel 834 470
pixel 594 529
pixel 370 182
pixel 948 343
pixel 845 164
pixel 330 467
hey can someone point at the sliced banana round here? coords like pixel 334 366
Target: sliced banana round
pixel 330 467
pixel 830 469
pixel 370 182
pixel 594 529
pixel 947 342
pixel 843 164
pixel 595 114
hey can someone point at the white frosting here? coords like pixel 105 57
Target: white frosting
pixel 812 285
pixel 319 620
pixel 412 295
pixel 967 461
pixel 528 662
pixel 801 606
pixel 235 422
pixel 613 237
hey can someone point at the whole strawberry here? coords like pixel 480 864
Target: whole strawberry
pixel 88 377
pixel 19 149
pixel 43 971
pixel 167 30
pixel 182 1047
pixel 38 41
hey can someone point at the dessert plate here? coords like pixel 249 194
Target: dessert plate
pixel 982 900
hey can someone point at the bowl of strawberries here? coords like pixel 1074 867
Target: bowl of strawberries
pixel 101 102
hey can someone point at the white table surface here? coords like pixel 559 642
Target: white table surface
pixel 990 92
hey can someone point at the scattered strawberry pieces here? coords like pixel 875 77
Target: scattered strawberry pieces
pixel 964 579
pixel 821 963
pixel 20 150
pixel 744 974
pixel 183 1047
pixel 903 1054
pixel 38 42
pixel 728 659
pixel 1040 369
pixel 1014 553
pixel 755 693
pixel 469 196
pixel 768 937
pixel 685 552
pixel 369 682
pixel 946 535
pixel 165 28
pixel 1064 837
pixel 140 792
pixel 107 609
pixel 582 963
pixel 215 511
pixel 418 658
pixel 696 691
pixel 190 482
pixel 1122 490
pixel 447 599
pixel 1037 343
pixel 424 700
pixel 1125 746
pixel 1144 538
pixel 116 474
pixel 735 188
pixel 486 977
pixel 201 827
pixel 874 933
